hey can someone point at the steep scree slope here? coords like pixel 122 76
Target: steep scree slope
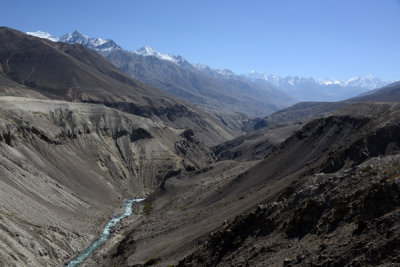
pixel 65 167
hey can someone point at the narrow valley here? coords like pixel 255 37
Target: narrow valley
pixel 199 133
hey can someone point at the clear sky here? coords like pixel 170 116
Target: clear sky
pixel 312 38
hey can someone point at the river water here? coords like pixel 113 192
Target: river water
pixel 105 235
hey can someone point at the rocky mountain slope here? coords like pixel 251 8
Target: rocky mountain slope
pixel 340 209
pixel 97 44
pixel 349 218
pixel 256 144
pixel 304 111
pixel 276 127
pixel 219 91
pixel 178 81
pixel 389 93
pixel 76 37
pixel 316 192
pixel 66 166
pixel 204 87
pixel 74 73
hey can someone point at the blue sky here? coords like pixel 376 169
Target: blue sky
pixel 313 38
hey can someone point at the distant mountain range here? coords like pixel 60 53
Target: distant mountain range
pixel 220 91
pixel 310 89
pixel 367 82
pixel 107 45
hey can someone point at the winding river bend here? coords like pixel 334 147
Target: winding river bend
pixel 105 235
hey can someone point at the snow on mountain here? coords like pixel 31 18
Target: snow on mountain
pixel 226 73
pixel 310 89
pixel 368 82
pixel 97 44
pixel 329 82
pixel 76 37
pixel 179 60
pixel 149 51
pixel 44 35
pixel 255 74
pixel 299 87
pixel 199 66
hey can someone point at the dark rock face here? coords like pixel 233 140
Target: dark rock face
pixel 139 133
pixel 356 212
pixel 383 141
pixel 304 219
pixel 188 134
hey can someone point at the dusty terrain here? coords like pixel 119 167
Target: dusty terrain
pixel 307 187
pixel 255 145
pixel 349 218
pixel 66 167
pixel 77 137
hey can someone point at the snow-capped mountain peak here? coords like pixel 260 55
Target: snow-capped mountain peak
pixel 97 44
pixel 149 51
pixel 255 74
pixel 367 82
pixel 329 81
pixel 77 37
pixel 200 66
pixel 43 35
pixel 226 73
